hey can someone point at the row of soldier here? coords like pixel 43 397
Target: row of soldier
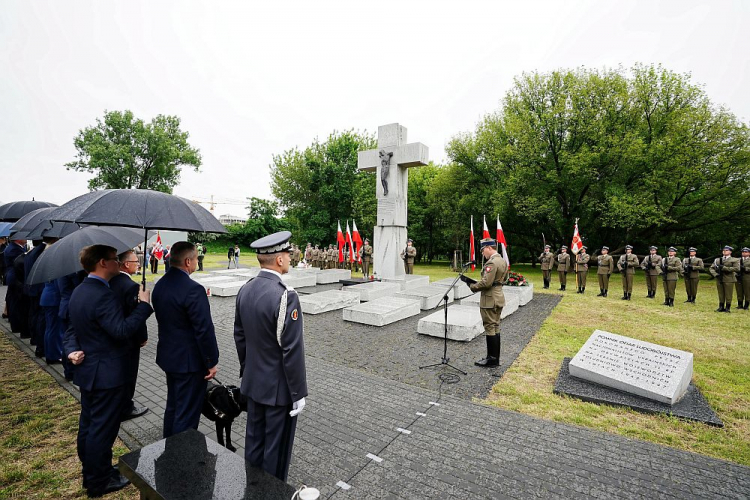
pixel 328 258
pixel 731 273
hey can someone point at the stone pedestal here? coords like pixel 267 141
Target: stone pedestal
pixel 525 293
pixel 374 290
pixel 328 276
pixel 317 303
pixel 460 289
pixel 388 242
pixel 511 304
pixel 464 323
pixel 383 311
pixel 226 288
pixel 428 296
pixel 409 281
pixel 299 280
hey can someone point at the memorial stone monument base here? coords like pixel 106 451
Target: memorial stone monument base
pixel 464 323
pixel 331 300
pixel 382 311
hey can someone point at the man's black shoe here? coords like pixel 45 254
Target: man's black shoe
pixel 115 484
pixel 135 412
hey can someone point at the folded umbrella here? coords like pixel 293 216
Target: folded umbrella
pixel 11 212
pixel 29 222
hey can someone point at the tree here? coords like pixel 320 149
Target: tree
pixel 123 152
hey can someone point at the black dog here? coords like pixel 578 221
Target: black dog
pixel 222 404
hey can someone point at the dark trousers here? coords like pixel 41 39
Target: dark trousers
pixel 200 262
pixel 269 437
pixel 97 430
pixel 185 393
pixel 154 265
pixel 68 366
pixel 36 324
pixel 129 386
pixel 53 334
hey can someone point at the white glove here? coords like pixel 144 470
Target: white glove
pixel 297 407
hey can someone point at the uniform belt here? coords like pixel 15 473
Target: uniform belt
pixel 497 284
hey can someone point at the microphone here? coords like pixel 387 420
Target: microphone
pixel 470 263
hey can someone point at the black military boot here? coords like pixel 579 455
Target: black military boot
pixel 747 304
pixel 721 308
pixel 624 296
pixel 727 307
pixel 546 283
pixel 563 288
pixel 688 299
pixel 671 302
pixel 630 294
pixel 493 352
pixel 666 301
pixel 583 289
pixel 739 305
pixel 606 291
pixel 601 292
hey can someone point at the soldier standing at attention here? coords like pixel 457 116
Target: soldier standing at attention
pixel 671 268
pixel 547 259
pixel 652 265
pixel 366 257
pixel 330 257
pixel 691 266
pixel 316 257
pixel 627 264
pixel 408 255
pixel 605 267
pixel 723 270
pixel 563 266
pixel 308 254
pixel 743 283
pixel 492 300
pixel 582 269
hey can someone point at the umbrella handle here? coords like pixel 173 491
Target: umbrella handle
pixel 145 246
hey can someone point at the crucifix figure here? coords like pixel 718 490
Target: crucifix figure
pixel 390 233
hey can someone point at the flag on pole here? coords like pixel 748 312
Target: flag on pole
pixel 501 241
pixel 357 240
pixel 577 244
pixel 472 251
pixel 158 250
pixel 485 229
pixel 341 242
pixel 349 241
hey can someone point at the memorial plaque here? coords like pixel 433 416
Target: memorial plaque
pixel 634 366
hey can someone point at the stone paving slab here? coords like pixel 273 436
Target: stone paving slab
pixel 332 300
pixel 464 323
pixel 429 297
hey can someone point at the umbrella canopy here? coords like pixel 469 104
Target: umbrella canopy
pixel 11 212
pixel 5 229
pixel 29 222
pixel 51 229
pixel 62 257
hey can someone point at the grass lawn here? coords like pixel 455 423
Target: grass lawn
pixel 38 426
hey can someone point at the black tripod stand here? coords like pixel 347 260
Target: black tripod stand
pixel 445 359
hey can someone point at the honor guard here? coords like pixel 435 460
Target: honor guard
pixel 332 257
pixel 652 266
pixel 743 281
pixel 366 258
pixel 582 269
pixel 308 254
pixel 317 257
pixel 408 254
pixel 671 268
pixel 627 264
pixel 691 267
pixel 563 266
pixel 491 300
pixel 547 260
pixel 605 266
pixel 724 269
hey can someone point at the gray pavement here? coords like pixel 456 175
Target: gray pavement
pixel 456 449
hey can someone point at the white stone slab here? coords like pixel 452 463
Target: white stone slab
pixel 409 281
pixel 226 288
pixel 428 296
pixel 331 300
pixel 525 293
pixel 250 272
pixel 207 279
pixel 464 323
pixel 511 303
pixel 382 311
pixel 634 366
pixel 299 280
pixel 328 276
pixel 374 290
pixel 226 271
pixel 460 289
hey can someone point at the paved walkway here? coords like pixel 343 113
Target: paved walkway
pixel 456 449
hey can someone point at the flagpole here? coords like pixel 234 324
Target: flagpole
pixel 578 285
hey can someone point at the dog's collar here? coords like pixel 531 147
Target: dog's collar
pixel 218 413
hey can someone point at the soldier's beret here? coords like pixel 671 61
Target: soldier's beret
pixel 547 246
pixel 605 248
pixel 487 242
pixel 652 247
pixel 628 247
pixel 273 243
pixel 563 247
pixel 745 249
pixel 692 249
pixel 672 249
pixel 727 247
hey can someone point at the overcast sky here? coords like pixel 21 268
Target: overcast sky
pixel 252 79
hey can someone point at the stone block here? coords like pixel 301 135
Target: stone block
pixel 428 296
pixel 226 271
pixel 299 280
pixel 511 304
pixel 633 366
pixel 525 293
pixel 374 290
pixel 207 279
pixel 382 311
pixel 328 276
pixel 408 281
pixel 226 288
pixel 464 323
pixel 331 300
pixel 388 242
pixel 460 289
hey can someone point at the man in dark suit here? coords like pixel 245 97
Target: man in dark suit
pixel 16 315
pixel 187 350
pixel 37 321
pixel 268 336
pixel 65 286
pixel 98 342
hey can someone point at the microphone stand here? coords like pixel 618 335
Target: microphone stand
pixel 445 360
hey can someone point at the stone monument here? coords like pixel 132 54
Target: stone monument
pixel 389 235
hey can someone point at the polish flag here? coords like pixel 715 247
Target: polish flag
pixel 158 250
pixel 340 240
pixel 349 241
pixel 501 241
pixel 485 230
pixel 472 251
pixel 577 244
pixel 357 240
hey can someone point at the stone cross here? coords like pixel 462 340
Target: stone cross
pixel 389 235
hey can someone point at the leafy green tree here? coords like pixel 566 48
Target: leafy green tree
pixel 123 152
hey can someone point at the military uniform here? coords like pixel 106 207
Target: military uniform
pixel 582 269
pixel 627 264
pixel 652 266
pixel 408 254
pixel 605 267
pixel 308 255
pixel 563 266
pixel 724 269
pixel 316 257
pixel 366 258
pixel 743 281
pixel 547 260
pixel 331 257
pixel 691 267
pixel 671 268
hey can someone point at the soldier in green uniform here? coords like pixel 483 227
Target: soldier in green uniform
pixel 743 281
pixel 316 257
pixel 308 254
pixel 332 257
pixel 671 268
pixel 691 266
pixel 724 269
pixel 605 267
pixel 563 266
pixel 491 300
pixel 652 265
pixel 547 259
pixel 366 258
pixel 408 254
pixel 582 269
pixel 627 264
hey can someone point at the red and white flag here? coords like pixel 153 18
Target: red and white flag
pixel 357 240
pixel 472 251
pixel 158 250
pixel 501 241
pixel 485 229
pixel 577 244
pixel 340 240
pixel 349 241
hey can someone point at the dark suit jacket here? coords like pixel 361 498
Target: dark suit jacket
pixel 187 340
pixel 272 366
pixel 11 252
pixel 66 285
pixel 126 290
pixel 99 328
pixel 28 262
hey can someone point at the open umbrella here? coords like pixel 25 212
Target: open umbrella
pixel 52 229
pixel 62 258
pixel 11 212
pixel 141 208
pixel 5 229
pixel 29 222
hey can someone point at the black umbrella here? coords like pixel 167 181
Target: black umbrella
pixel 11 212
pixel 140 208
pixel 62 257
pixel 30 222
pixel 51 229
